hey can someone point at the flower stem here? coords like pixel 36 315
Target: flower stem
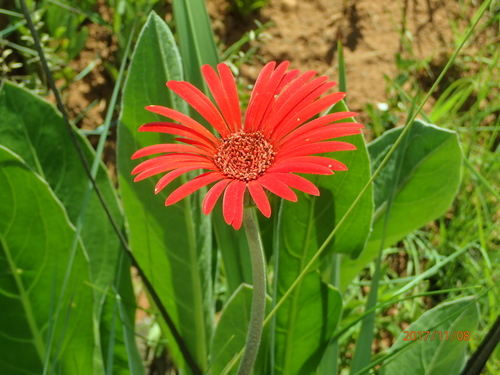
pixel 259 293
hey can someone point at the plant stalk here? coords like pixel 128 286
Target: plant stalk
pixel 259 293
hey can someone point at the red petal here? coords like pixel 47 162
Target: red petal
pixel 295 85
pixel 259 196
pixel 307 109
pixel 239 205
pixel 220 96
pixel 254 102
pixel 315 148
pixel 227 80
pixel 192 186
pixel 166 160
pixel 322 134
pixel 297 182
pixel 176 129
pixel 232 204
pixel 319 122
pixel 209 149
pixel 200 103
pixel 332 164
pixel 169 147
pixel 289 77
pixel 169 177
pixel 265 98
pixel 174 165
pixel 288 92
pixel 274 185
pixel 213 195
pixel 183 119
pixel 299 167
pixel 286 109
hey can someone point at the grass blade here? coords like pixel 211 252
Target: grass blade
pixel 196 39
pixel 362 354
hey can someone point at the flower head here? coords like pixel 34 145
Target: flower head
pixel 260 155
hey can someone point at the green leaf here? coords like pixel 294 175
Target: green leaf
pixel 37 133
pixel 338 192
pixel 231 332
pixel 307 319
pixel 312 311
pixel 233 247
pixel 35 241
pixel 305 323
pixel 172 244
pixel 196 39
pixel 444 349
pixel 427 184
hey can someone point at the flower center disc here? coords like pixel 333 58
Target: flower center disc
pixel 244 156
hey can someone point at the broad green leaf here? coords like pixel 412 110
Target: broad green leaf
pixel 36 132
pixel 36 237
pixel 427 184
pixel 197 48
pixel 338 192
pixel 196 39
pixel 172 244
pixel 304 324
pixel 362 353
pixel 231 332
pixel 307 319
pixel 313 308
pixel 437 342
pixel 329 362
pixel 233 247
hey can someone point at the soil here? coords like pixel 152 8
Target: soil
pixel 304 33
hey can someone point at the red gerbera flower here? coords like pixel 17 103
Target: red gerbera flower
pixel 260 155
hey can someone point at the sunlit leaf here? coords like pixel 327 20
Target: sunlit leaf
pixel 36 237
pixel 437 342
pixel 427 184
pixel 231 332
pixel 36 132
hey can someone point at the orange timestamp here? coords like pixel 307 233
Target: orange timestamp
pixel 436 335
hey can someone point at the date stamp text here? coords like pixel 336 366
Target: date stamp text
pixel 436 335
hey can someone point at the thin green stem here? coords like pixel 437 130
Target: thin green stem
pixel 259 293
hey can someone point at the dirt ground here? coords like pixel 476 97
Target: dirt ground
pixel 305 32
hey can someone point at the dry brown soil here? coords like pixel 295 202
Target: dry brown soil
pixel 305 33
